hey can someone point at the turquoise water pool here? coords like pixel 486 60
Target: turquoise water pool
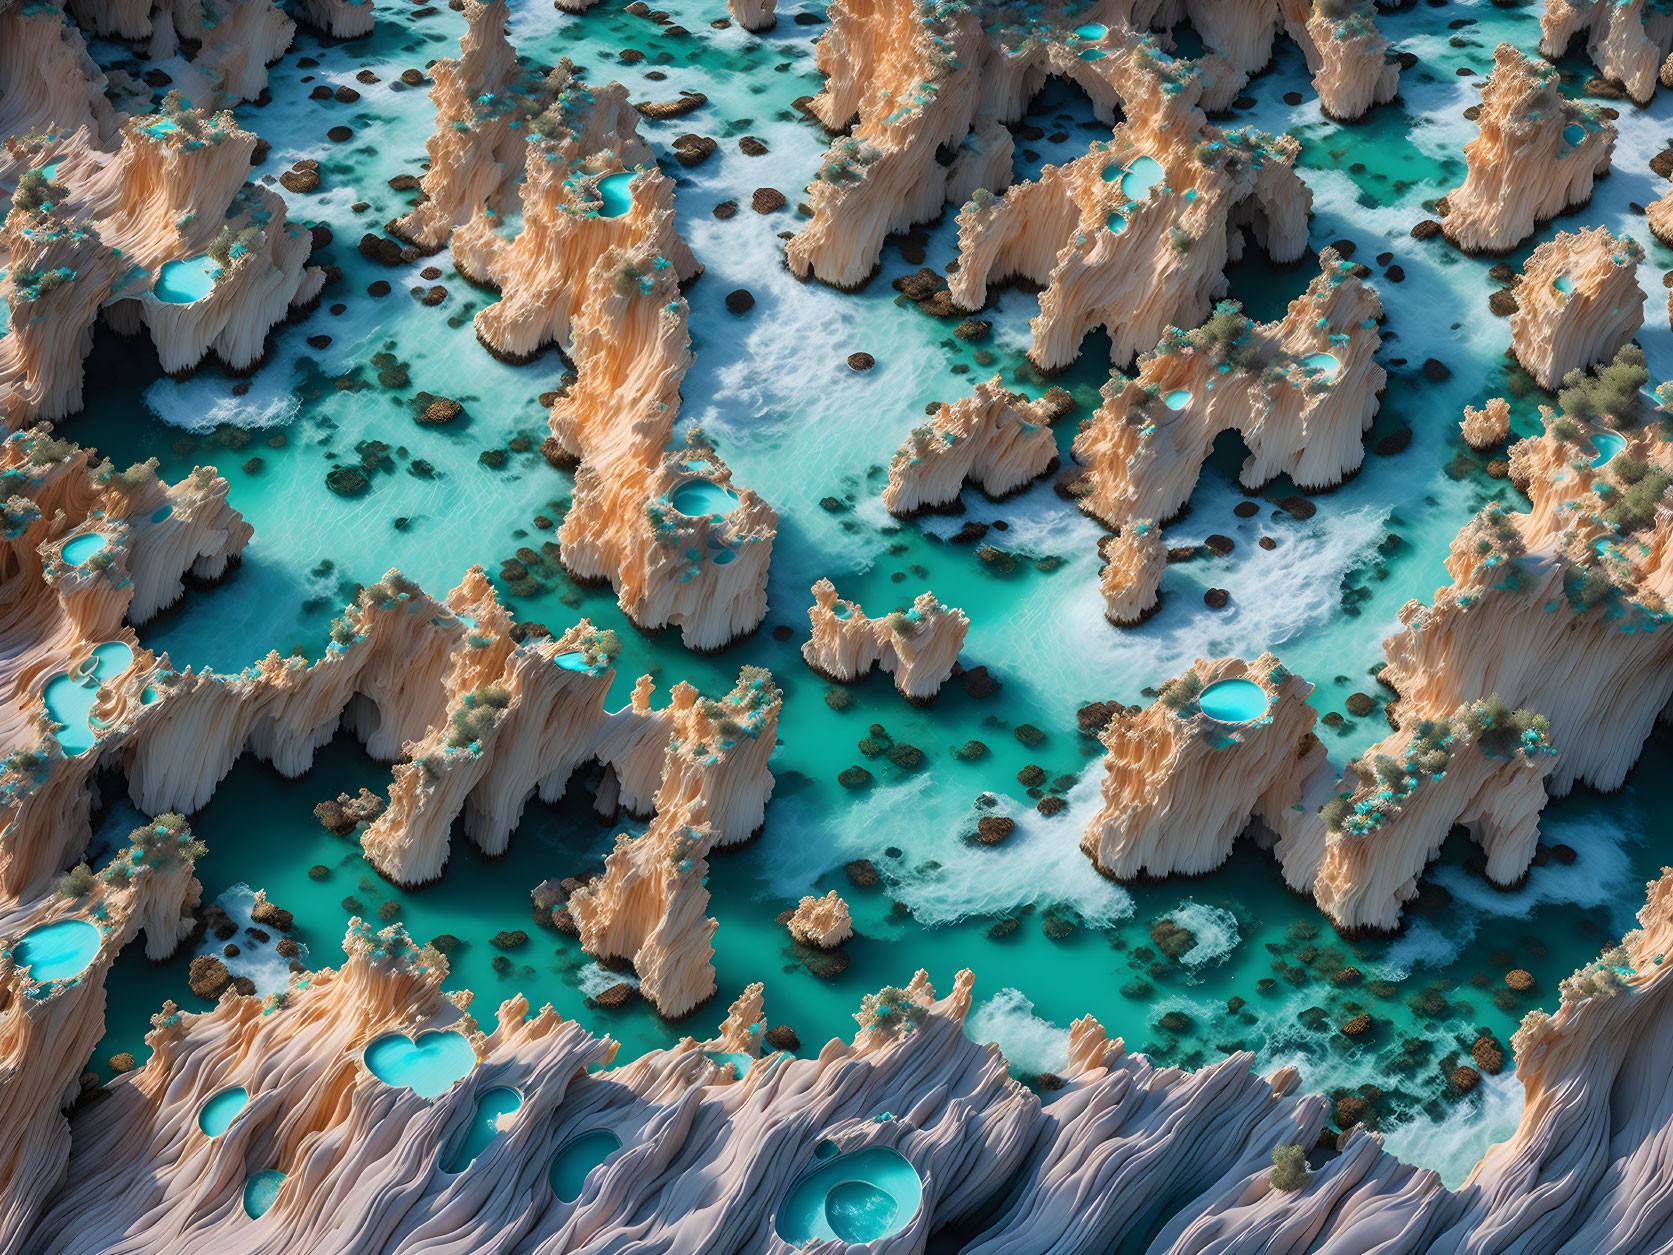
pixel 1178 399
pixel 1233 701
pixel 575 1160
pixel 1573 134
pixel 698 498
pixel 1143 174
pixel 59 950
pixel 1563 284
pixel 181 282
pixel 617 198
pixel 1607 444
pixel 260 1191
pixel 78 549
pixel 499 1101
pixel 162 512
pixel 220 1111
pixel 856 1198
pixel 573 661
pixel 740 1062
pixel 1091 32
pixel 69 696
pixel 1115 222
pixel 429 1066
pixel 49 171
pixel 1325 363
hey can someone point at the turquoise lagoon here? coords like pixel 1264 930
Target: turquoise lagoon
pixel 429 1064
pixel 855 1198
pixel 222 1109
pixel 184 281
pixel 1233 701
pixel 774 393
pixel 59 950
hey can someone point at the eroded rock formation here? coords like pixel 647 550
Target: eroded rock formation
pixel 918 646
pixel 1134 559
pixel 1628 40
pixel 1183 779
pixel 997 440
pixel 823 923
pixel 1578 301
pixel 1135 236
pixel 1302 391
pixel 1536 156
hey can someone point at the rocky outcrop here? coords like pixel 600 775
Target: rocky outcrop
pixel 1488 427
pixel 919 647
pixel 230 45
pixel 822 923
pixel 490 112
pixel 341 19
pixel 1536 156
pixel 1360 844
pixel 995 439
pixel 162 234
pixel 756 16
pixel 1302 392
pixel 1577 302
pixel 1135 236
pixel 1627 40
pixel 1346 55
pixel 1180 783
pixel 1134 559
pixel 52 85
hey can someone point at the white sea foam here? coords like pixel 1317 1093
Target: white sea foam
pixel 1454 1145
pixel 1215 930
pixel 1030 1044
pixel 593 980
pixel 259 960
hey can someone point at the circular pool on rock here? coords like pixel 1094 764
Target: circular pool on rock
pixel 1178 399
pixel 575 1160
pixel 70 695
pixel 183 282
pixel 429 1065
pixel 573 661
pixel 260 1191
pixel 491 1106
pixel 1233 701
pixel 1607 444
pixel 78 549
pixel 219 1112
pixel 1326 364
pixel 58 950
pixel 617 198
pixel 701 498
pixel 871 1194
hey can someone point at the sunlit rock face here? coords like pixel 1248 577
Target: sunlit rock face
pixel 1537 155
pixel 918 646
pixel 1578 301
pixel 1627 40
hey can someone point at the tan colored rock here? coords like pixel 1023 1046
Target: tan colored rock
pixel 822 922
pixel 1130 581
pixel 753 15
pixel 1142 251
pixel 1625 39
pixel 1536 155
pixel 995 439
pixel 1346 55
pixel 1578 300
pixel 1302 392
pixel 919 647
pixel 1488 427
pixel 1179 786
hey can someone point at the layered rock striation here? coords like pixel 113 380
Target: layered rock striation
pixel 1536 156
pixel 918 646
pixel 1577 302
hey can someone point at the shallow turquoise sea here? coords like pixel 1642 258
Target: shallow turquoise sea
pixel 773 390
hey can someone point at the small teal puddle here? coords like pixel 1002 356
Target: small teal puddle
pixel 573 661
pixel 78 549
pixel 69 696
pixel 1178 399
pixel 1324 363
pixel 499 1101
pixel 260 1191
pixel 428 1067
pixel 856 1198
pixel 220 1111
pixel 1563 284
pixel 699 498
pixel 182 282
pixel 740 1062
pixel 1573 134
pixel 617 199
pixel 576 1159
pixel 59 950
pixel 1115 222
pixel 1091 32
pixel 1092 54
pixel 1607 444
pixel 1142 175
pixel 1233 701
pixel 162 512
